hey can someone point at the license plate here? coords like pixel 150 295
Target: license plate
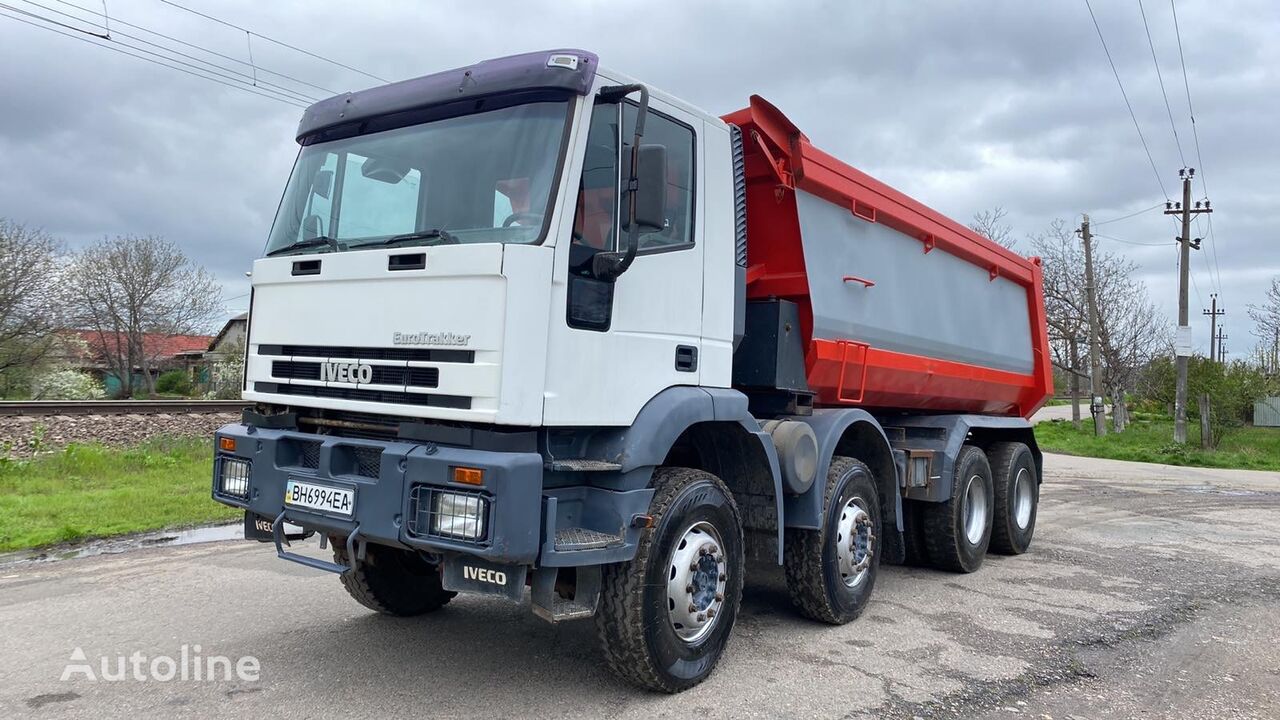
pixel 325 498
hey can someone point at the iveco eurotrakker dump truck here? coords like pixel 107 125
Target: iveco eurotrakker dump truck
pixel 531 327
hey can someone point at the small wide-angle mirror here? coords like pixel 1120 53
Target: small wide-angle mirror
pixel 322 183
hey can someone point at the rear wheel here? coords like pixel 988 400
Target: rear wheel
pixel 957 532
pixel 393 581
pixel 1017 496
pixel 831 572
pixel 665 616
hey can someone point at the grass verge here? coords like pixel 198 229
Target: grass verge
pixel 91 491
pixel 1149 438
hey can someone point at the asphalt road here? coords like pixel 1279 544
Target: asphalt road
pixel 1150 592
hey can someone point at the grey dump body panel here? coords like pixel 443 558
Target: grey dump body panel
pixel 945 308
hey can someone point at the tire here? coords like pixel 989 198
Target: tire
pixel 825 584
pixel 393 581
pixel 636 622
pixel 1017 496
pixel 953 539
pixel 913 534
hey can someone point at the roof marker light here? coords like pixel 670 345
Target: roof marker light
pixel 568 62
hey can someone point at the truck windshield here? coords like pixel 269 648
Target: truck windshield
pixel 481 178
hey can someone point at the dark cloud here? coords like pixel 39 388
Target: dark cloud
pixel 964 105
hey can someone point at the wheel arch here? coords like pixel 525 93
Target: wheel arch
pixel 855 433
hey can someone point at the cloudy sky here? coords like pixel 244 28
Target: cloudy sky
pixel 963 105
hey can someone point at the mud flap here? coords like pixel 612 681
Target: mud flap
pixel 257 527
pixel 464 573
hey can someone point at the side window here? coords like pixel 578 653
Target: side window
pixel 679 141
pixel 377 200
pixel 596 221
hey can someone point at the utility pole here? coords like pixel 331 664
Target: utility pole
pixel 1182 347
pixel 1096 407
pixel 1222 349
pixel 1213 325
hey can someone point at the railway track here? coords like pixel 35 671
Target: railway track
pixel 118 407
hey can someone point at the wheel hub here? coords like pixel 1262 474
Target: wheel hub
pixel 697 575
pixel 855 542
pixel 974 510
pixel 1022 499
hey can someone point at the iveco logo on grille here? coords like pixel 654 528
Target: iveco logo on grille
pixel 346 372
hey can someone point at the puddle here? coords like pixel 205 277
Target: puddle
pixel 115 546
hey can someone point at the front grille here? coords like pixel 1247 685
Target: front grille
pixel 232 476
pixel 456 402
pixel 434 508
pixel 367 353
pixel 368 461
pixel 381 375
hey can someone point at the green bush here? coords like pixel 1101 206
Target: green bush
pixel 173 382
pixel 66 384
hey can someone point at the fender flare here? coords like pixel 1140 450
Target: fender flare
pixel 805 511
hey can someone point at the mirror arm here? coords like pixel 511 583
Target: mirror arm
pixel 608 266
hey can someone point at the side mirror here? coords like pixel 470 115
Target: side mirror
pixel 311 227
pixel 322 184
pixel 650 196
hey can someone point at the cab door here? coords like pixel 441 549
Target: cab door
pixel 613 346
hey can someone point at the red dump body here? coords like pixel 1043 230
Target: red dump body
pixel 900 307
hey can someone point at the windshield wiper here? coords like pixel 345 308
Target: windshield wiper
pixel 308 243
pixel 444 236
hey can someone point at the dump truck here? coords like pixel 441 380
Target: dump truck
pixel 533 329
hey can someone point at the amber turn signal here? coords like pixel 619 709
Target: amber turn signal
pixel 227 444
pixel 468 476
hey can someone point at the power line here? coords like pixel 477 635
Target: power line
pixel 273 40
pixel 1191 112
pixel 201 64
pixel 1125 95
pixel 184 43
pixel 1160 77
pixel 1157 206
pixel 1133 242
pixel 88 38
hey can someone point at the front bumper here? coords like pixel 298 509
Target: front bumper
pixel 394 483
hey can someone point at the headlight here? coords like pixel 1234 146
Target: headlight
pixel 233 477
pixel 458 515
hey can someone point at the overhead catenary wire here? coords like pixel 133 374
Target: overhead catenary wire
pixel 1160 77
pixel 108 45
pixel 184 43
pixel 274 41
pixel 1123 94
pixel 199 63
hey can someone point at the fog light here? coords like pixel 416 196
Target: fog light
pixel 458 515
pixel 233 477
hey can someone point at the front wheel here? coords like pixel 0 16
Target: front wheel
pixel 392 581
pixel 831 571
pixel 665 615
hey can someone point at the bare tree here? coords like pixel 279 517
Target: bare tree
pixel 1131 331
pixel 29 310
pixel 1267 317
pixel 991 225
pixel 129 287
pixel 1064 301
